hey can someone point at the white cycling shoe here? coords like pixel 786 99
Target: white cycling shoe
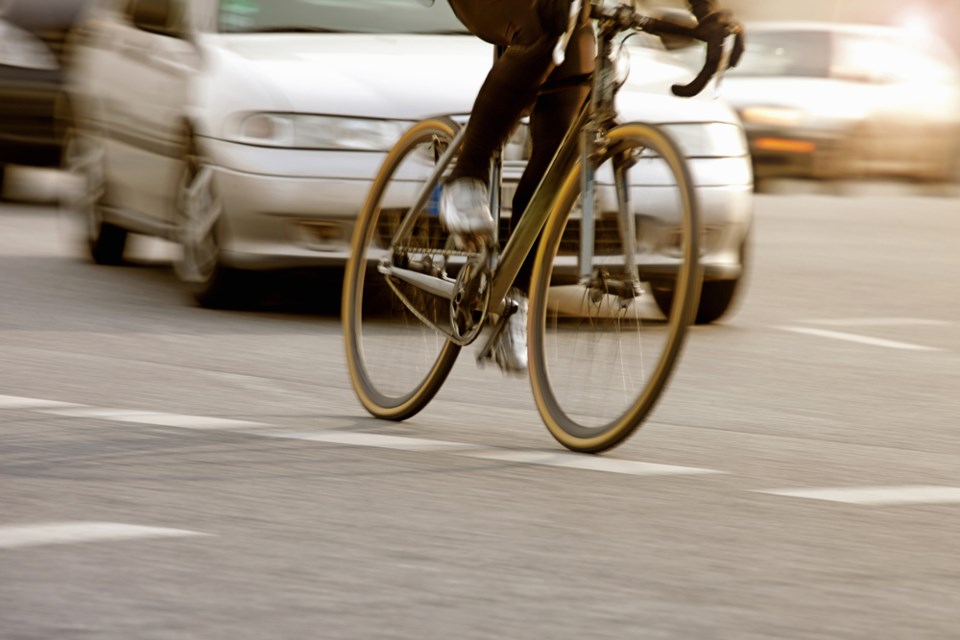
pixel 510 350
pixel 465 212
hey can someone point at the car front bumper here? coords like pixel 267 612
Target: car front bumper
pixel 293 208
pixel 800 153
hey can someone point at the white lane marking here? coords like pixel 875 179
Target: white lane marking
pixel 880 322
pixel 852 337
pixel 543 458
pixel 155 417
pixel 72 532
pixel 586 462
pixel 17 402
pixel 359 439
pixel 907 494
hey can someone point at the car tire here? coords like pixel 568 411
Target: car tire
pixel 82 160
pixel 199 232
pixel 717 297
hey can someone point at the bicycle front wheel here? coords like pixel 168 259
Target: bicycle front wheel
pixel 600 350
pixel 397 354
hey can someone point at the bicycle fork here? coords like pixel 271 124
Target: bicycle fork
pixel 600 282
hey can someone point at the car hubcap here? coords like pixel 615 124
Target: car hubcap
pixel 200 211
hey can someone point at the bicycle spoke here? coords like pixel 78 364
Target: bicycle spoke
pixel 601 351
pixel 396 320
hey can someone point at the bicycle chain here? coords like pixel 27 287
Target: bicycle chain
pixel 435 252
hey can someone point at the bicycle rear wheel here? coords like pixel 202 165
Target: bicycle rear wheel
pixel 397 361
pixel 600 350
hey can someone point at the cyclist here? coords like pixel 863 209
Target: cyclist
pixel 544 68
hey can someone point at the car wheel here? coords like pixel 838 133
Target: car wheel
pixel 199 233
pixel 716 296
pixel 82 161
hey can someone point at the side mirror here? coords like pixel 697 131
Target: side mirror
pixel 155 16
pixel 679 16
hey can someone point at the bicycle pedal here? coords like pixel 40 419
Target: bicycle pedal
pixel 486 351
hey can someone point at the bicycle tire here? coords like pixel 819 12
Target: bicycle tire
pixel 594 391
pixel 396 362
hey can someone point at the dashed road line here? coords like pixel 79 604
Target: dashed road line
pixel 361 439
pixel 154 417
pixel 18 402
pixel 12 537
pixel 852 337
pixel 559 459
pixel 879 322
pixel 876 496
pixel 587 463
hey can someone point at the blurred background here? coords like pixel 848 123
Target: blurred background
pixel 886 104
pixel 839 93
pixel 821 100
pixel 937 16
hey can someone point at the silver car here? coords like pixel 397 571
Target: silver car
pixel 248 132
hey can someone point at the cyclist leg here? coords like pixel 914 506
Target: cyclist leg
pixel 508 90
pixel 553 112
pixel 513 82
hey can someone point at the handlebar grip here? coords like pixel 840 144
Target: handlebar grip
pixel 657 26
pixel 710 68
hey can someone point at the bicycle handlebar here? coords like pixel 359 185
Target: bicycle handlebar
pixel 624 17
pixel 714 57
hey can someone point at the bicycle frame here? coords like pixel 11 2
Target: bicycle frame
pixel 403 343
pixel 578 145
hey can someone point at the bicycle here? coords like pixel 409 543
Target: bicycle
pixel 411 300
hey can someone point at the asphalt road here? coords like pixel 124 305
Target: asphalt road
pixel 173 472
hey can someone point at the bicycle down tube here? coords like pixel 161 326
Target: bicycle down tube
pixel 524 236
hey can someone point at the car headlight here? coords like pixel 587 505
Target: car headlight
pixel 303 131
pixel 709 140
pixel 776 116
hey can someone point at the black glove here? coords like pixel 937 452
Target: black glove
pixel 716 26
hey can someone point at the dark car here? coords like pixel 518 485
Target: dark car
pixel 31 127
pixel 34 111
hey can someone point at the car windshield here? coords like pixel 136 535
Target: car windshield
pixel 786 53
pixel 338 16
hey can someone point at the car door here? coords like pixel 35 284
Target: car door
pixel 154 60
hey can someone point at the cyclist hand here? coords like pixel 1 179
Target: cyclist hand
pixel 716 26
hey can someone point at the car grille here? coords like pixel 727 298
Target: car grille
pixel 428 232
pixel 606 231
